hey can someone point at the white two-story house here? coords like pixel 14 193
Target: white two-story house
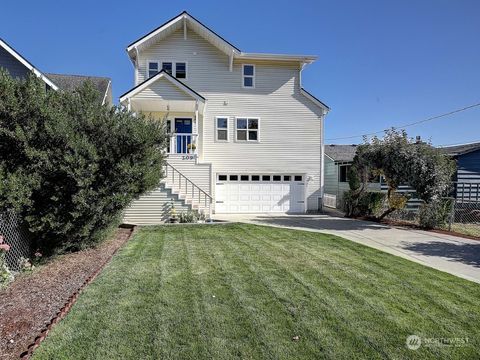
pixel 245 136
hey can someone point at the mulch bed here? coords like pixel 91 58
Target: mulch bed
pixel 33 300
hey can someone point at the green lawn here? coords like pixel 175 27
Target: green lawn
pixel 244 291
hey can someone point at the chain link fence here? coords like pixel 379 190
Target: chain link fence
pixel 17 237
pixel 465 213
pixel 462 213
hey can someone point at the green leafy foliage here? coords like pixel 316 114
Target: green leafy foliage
pixel 365 203
pixel 402 161
pixel 70 165
pixel 436 213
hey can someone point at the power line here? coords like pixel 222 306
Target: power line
pixel 462 143
pixel 410 124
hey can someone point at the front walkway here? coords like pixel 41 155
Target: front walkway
pixel 452 254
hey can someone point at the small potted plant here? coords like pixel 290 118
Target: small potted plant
pixel 192 148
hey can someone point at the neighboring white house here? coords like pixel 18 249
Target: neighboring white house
pixel 245 136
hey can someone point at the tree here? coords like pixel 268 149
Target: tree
pixel 69 165
pixel 401 160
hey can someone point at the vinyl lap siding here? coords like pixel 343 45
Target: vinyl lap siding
pixel 163 89
pixel 469 168
pixel 14 67
pixel 468 177
pixel 290 124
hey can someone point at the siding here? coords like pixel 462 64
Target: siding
pixel 468 177
pixel 469 167
pixel 163 89
pixel 153 207
pixel 290 124
pixel 14 67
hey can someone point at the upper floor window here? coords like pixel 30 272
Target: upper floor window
pixel 177 69
pixel 167 66
pixel 247 129
pixel 222 128
pixel 248 78
pixel 181 70
pixel 152 69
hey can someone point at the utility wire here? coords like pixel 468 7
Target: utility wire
pixel 463 143
pixel 410 124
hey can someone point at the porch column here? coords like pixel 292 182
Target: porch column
pixel 195 127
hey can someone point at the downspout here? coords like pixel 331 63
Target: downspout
pixel 322 159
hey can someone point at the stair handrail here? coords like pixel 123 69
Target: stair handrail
pixel 208 196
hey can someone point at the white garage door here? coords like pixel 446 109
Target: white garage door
pixel 259 193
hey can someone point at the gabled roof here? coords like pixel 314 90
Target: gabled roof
pixel 184 19
pixel 341 152
pixel 162 74
pixel 176 23
pixel 463 149
pixel 314 99
pixel 73 82
pixel 27 64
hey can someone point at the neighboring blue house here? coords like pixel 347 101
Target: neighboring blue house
pixel 19 67
pixel 338 159
pixel 467 177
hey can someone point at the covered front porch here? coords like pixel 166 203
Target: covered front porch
pixel 165 98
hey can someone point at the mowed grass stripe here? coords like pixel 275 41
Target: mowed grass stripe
pixel 242 291
pixel 231 333
pixel 355 299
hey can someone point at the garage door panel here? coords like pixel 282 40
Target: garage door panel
pixel 259 197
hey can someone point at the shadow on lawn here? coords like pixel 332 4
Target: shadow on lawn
pixel 465 253
pixel 319 222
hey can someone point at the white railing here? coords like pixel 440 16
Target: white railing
pixel 187 188
pixel 183 143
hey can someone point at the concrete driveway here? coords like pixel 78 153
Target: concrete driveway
pixel 452 254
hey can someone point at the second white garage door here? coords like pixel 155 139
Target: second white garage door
pixel 259 193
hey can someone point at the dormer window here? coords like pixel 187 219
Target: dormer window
pixel 248 79
pixel 152 69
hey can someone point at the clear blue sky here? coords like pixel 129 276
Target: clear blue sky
pixel 381 63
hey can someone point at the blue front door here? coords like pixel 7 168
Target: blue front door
pixel 184 128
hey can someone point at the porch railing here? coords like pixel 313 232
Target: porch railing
pixel 183 143
pixel 186 187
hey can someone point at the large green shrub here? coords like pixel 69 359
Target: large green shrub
pixel 401 161
pixel 365 203
pixel 69 165
pixel 435 214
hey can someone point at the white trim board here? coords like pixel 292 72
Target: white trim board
pixel 29 66
pixel 167 76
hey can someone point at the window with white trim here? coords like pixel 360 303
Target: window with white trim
pixel 248 78
pixel 152 68
pixel 181 70
pixel 221 123
pixel 246 129
pixel 176 69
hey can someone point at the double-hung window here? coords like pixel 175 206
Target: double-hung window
pixel 247 129
pixel 152 68
pixel 181 70
pixel 248 78
pixel 221 128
